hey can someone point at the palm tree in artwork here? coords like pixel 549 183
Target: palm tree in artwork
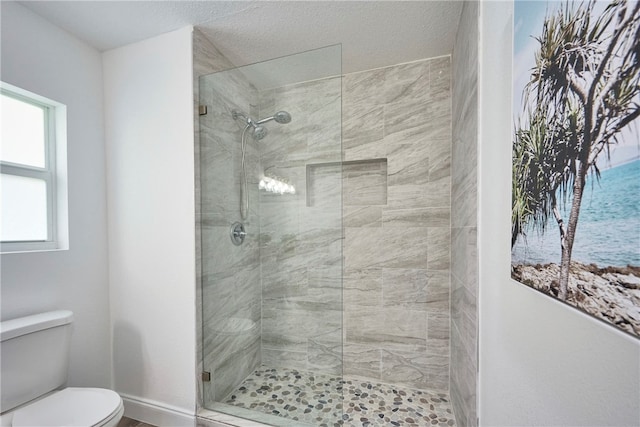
pixel 584 90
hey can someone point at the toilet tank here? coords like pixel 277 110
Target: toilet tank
pixel 34 356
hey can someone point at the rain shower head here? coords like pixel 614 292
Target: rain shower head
pixel 281 117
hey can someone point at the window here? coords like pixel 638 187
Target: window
pixel 29 193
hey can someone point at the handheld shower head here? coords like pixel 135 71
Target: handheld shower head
pixel 259 132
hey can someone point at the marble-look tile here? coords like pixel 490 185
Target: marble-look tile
pixel 438 325
pixel 439 244
pixel 417 217
pixel 403 120
pixel 231 338
pixel 417 145
pixel 231 298
pixel 324 357
pixel 284 278
pixel 362 360
pixel 407 83
pixel 438 346
pixel 363 325
pixel 390 248
pixel 438 192
pixel 415 196
pixel 438 290
pixel 457 299
pixel 464 259
pixel 406 288
pixel 361 125
pixel 231 294
pixel 324 184
pixel 440 78
pixel 283 358
pixel 362 287
pixel 321 247
pixel 278 246
pixel 363 149
pixel 232 371
pixel 224 255
pixel 418 369
pixel 438 126
pixel 357 87
pixel 464 274
pixel 365 184
pixel 388 327
pixel 289 324
pixel 408 163
pixel 325 284
pixel 463 381
pixel 362 216
pixel 464 185
pixel 328 216
pixel 439 159
pixel 279 214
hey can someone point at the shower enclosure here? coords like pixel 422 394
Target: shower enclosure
pixel 271 239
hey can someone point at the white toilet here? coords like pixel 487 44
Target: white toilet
pixel 35 356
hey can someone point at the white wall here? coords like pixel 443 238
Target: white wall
pixel 150 178
pixel 541 363
pixel 40 57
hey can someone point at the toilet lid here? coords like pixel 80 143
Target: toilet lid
pixel 70 407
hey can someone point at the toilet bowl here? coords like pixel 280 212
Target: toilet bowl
pixel 35 353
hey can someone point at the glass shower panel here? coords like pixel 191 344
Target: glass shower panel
pixel 271 239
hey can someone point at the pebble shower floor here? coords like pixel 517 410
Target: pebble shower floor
pixel 318 400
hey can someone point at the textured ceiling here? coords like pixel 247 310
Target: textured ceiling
pixel 372 33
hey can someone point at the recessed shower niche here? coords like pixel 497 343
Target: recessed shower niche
pixel 364 181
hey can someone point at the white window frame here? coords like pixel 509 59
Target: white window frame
pixel 53 114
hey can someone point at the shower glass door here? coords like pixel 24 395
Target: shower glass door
pixel 271 239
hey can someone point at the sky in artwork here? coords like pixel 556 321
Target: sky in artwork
pixel 528 20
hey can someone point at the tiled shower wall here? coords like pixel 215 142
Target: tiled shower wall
pixel 396 213
pixel 464 262
pixel 397 224
pixel 230 275
pixel 300 244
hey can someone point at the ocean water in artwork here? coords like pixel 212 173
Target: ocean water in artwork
pixel 608 231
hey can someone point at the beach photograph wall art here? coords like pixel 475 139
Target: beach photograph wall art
pixel 575 220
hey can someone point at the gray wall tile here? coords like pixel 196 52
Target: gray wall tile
pixel 464 272
pixel 397 255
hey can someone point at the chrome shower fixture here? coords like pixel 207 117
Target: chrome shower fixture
pixel 259 132
pixel 281 117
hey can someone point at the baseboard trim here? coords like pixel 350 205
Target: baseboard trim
pixel 156 413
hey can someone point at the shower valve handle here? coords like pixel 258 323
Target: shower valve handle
pixel 237 233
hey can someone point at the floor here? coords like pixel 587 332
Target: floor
pixel 128 422
pixel 318 400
